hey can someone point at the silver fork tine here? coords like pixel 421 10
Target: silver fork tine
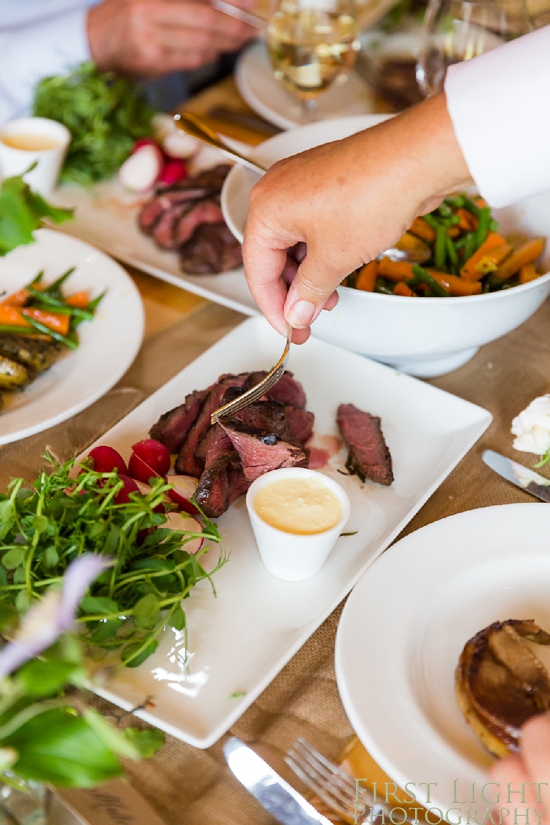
pixel 326 769
pixel 309 778
pixel 260 389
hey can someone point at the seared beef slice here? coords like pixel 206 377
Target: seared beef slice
pixel 261 452
pixel 369 456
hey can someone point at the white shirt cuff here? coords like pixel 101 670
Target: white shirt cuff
pixel 30 52
pixel 500 109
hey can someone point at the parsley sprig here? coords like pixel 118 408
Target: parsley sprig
pixel 43 528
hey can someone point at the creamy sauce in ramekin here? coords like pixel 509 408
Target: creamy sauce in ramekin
pixel 303 506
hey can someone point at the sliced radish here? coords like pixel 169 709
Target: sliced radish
pixel 140 171
pixel 178 145
pixel 130 486
pixel 140 470
pixel 184 522
pixel 146 141
pixel 107 459
pixel 174 169
pixel 184 488
pixel 154 454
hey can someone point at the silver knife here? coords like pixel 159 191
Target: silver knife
pixel 517 474
pixel 272 792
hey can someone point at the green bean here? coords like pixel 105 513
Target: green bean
pixel 55 288
pixel 425 278
pixel 452 255
pixel 470 205
pixel 440 249
pixel 494 226
pixel 469 246
pixel 455 201
pixel 36 280
pixel 60 307
pixel 483 225
pixel 444 210
pixel 93 305
pixel 16 330
pixel 431 221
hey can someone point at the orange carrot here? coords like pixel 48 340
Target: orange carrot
pixel 395 270
pixel 402 289
pixel 470 269
pixel 366 277
pixel 467 221
pixel 79 300
pixel 453 231
pixel 18 299
pixel 480 201
pixel 422 230
pixel 11 316
pixel 528 273
pixel 454 285
pixel 526 253
pixel 59 323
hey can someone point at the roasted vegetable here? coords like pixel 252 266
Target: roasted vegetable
pixel 13 376
pixel 35 354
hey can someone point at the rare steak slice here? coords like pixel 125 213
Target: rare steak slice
pixel 288 391
pixel 211 248
pixel 202 212
pixel 369 456
pixel 261 452
pixel 223 479
pixel 172 427
pixel 187 463
pixel 152 211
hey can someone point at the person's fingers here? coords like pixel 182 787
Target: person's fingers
pixel 509 775
pixel 535 754
pixel 267 263
pixel 332 301
pixel 312 287
pixel 200 17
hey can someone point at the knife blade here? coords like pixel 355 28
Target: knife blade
pixel 517 474
pixel 272 792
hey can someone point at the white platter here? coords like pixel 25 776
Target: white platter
pixel 108 344
pixel 402 631
pixel 271 100
pixel 107 217
pixel 240 640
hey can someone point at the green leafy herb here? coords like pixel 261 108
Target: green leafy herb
pixel 21 212
pixel 105 115
pixel 44 528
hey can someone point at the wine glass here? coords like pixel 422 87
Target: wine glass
pixel 457 30
pixel 312 45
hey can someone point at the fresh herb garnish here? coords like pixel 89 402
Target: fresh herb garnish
pixel 105 115
pixel 21 212
pixel 42 529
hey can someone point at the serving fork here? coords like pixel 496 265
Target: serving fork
pixel 337 789
pixel 254 393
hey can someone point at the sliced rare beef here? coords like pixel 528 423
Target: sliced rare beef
pixel 369 456
pixel 300 423
pixel 171 429
pixel 288 391
pixel 262 452
pixel 203 212
pixel 186 462
pixel 156 207
pixel 212 248
pixel 222 480
pixel 165 230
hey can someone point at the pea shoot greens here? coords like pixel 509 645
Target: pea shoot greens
pixel 43 528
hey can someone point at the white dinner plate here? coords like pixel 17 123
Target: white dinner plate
pixel 240 640
pixel 108 344
pixel 272 101
pixel 402 631
pixel 107 217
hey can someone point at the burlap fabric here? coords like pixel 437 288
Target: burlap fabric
pixel 193 787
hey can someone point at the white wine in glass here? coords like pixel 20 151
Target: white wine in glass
pixel 312 45
pixel 457 30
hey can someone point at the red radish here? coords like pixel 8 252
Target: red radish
pixel 140 171
pixel 146 141
pixel 130 486
pixel 140 470
pixel 154 454
pixel 182 521
pixel 146 488
pixel 107 459
pixel 184 490
pixel 174 169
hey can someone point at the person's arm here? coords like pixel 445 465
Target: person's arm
pixel 31 49
pixel 350 200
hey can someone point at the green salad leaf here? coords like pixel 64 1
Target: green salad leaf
pixel 43 528
pixel 22 211
pixel 105 115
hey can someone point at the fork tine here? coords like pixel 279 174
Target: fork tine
pixel 326 767
pixel 323 792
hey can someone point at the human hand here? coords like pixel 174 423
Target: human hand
pixel 149 38
pixel 347 201
pixel 531 767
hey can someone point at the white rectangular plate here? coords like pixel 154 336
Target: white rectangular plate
pixel 107 217
pixel 240 640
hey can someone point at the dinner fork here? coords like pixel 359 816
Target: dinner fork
pixel 337 789
pixel 254 393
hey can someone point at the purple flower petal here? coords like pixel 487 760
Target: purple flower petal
pixel 47 619
pixel 76 581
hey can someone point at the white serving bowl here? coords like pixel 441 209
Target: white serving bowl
pixel 424 337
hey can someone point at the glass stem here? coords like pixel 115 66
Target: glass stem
pixel 309 109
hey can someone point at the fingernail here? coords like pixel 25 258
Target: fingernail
pixel 301 314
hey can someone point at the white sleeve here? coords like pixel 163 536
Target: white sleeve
pixel 499 105
pixel 37 49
